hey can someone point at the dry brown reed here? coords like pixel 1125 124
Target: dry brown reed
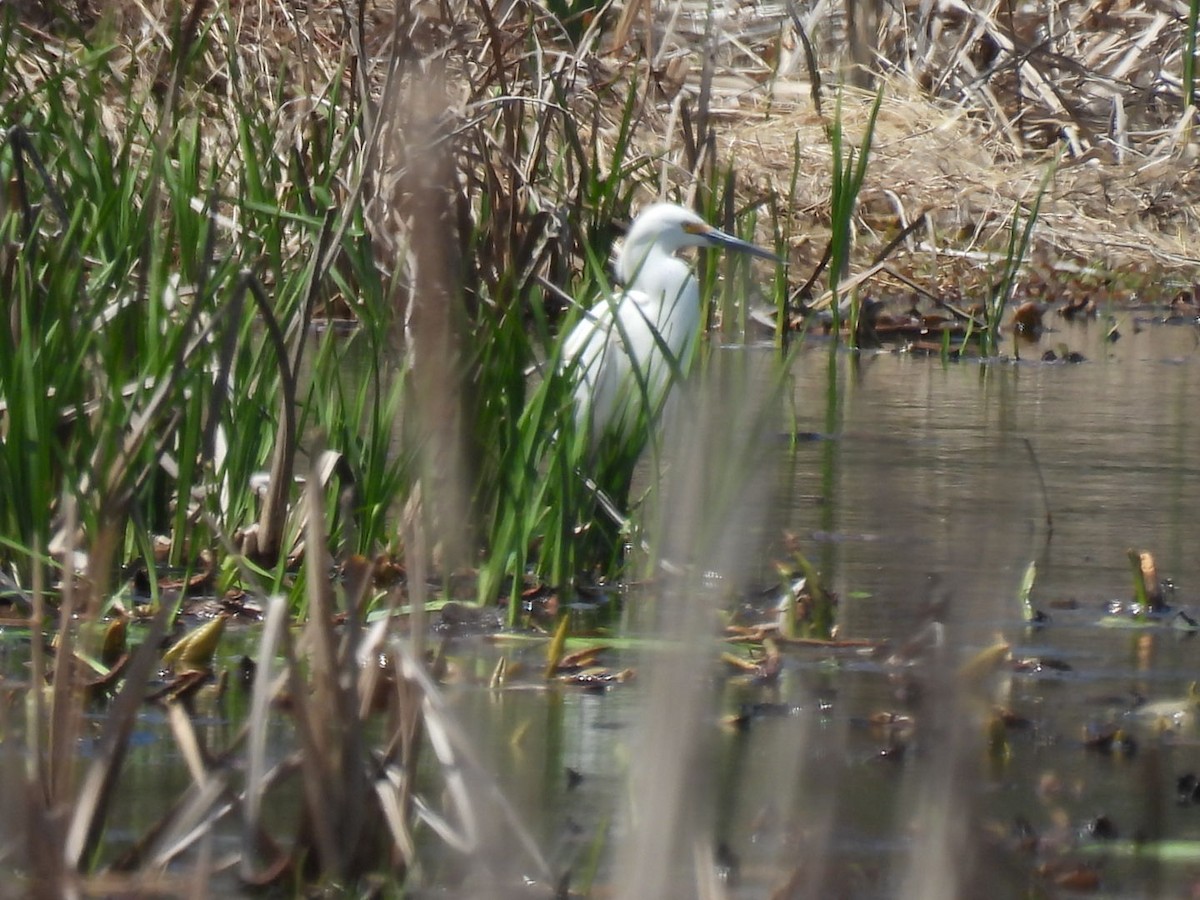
pixel 977 101
pixel 978 97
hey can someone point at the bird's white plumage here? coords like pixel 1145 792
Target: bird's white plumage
pixel 625 352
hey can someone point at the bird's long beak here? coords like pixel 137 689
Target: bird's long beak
pixel 718 238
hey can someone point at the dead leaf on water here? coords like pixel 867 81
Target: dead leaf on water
pixel 194 651
pixel 741 664
pixel 554 653
pixel 1073 877
pixel 985 662
pixel 113 647
pixel 582 658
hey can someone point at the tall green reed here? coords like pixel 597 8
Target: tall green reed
pixel 1020 234
pixel 137 285
pixel 849 172
pixel 204 237
pixel 532 489
pixel 782 227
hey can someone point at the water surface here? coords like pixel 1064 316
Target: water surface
pixel 921 497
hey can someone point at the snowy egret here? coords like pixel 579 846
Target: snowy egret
pixel 627 349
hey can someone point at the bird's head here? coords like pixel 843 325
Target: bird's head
pixel 667 228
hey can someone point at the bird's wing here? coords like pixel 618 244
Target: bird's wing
pixel 586 355
pixel 589 335
pixel 600 351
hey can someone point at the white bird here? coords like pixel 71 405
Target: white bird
pixel 626 350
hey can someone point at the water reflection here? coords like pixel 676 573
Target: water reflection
pixel 930 471
pixel 923 492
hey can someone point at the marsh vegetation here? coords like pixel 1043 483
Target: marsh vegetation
pixel 285 291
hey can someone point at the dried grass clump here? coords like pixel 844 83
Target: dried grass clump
pixel 976 100
pixel 940 161
pixel 1104 74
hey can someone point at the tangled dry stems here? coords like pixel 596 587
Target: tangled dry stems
pixel 977 102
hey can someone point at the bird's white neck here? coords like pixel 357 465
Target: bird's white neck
pixel 637 255
pixel 662 276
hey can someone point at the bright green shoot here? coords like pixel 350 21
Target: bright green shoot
pixel 1020 234
pixel 849 172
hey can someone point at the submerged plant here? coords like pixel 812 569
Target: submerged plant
pixel 374 764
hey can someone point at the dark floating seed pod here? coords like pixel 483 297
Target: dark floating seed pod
pixel 1102 828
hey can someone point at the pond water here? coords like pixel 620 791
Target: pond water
pixel 921 491
pixel 920 495
pixel 931 466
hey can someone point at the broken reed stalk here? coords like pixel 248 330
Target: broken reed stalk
pixel 269 537
pixel 270 678
pixel 1189 55
pixel 1147 592
pixel 1043 492
pixel 67 814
